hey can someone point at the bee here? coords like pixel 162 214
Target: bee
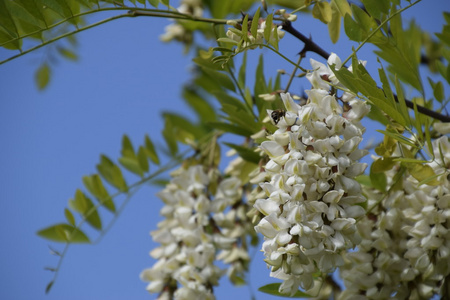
pixel 276 115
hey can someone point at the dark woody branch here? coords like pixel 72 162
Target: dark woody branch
pixel 313 47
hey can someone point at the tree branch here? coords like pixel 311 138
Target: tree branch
pixel 310 45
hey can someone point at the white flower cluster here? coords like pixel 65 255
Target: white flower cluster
pixel 405 251
pixel 177 31
pixel 312 198
pixel 195 228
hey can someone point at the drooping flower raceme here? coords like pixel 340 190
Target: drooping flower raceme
pixel 405 248
pixel 195 228
pixel 312 198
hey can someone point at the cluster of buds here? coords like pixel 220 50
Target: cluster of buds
pixel 201 211
pixel 177 31
pixel 248 40
pixel 237 35
pixel 310 197
pixel 405 248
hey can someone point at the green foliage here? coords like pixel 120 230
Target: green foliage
pixel 360 82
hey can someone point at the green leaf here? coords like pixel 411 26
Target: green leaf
pixel 352 29
pixel 246 153
pixel 95 186
pixel 438 90
pixel 23 17
pixel 63 233
pixel 154 3
pixel 132 165
pixel 387 147
pixel 366 23
pixel 342 6
pixel 223 49
pixel 182 128
pixel 322 11
pixel 400 138
pixel 127 147
pixel 409 160
pixel 402 104
pixel 203 109
pixel 42 76
pixel 150 150
pixel 364 180
pixel 260 86
pixel 67 53
pixel 221 78
pixel 230 128
pixel 377 7
pixel 111 173
pixel 361 82
pixel 245 28
pixel 385 84
pixel 7 21
pixel 34 9
pixel 424 174
pixel 227 40
pixel 268 29
pixel 272 289
pixel 142 159
pixel 242 70
pixel 255 23
pixel 382 165
pixel 389 110
pixel 334 26
pixel 49 286
pixel 428 136
pixel 418 118
pixel 69 217
pixel 432 180
pixel 58 6
pixel 86 208
pixel 378 180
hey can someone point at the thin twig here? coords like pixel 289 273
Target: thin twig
pixel 301 55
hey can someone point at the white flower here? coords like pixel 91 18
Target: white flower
pixel 405 245
pixel 189 238
pixel 311 199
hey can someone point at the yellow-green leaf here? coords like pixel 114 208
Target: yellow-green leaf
pixel 69 216
pixel 95 186
pixel 424 174
pixel 42 76
pixel 268 29
pixel 322 11
pixel 63 233
pixel 127 147
pixel 255 21
pixel 334 26
pixel 272 289
pixel 86 208
pixel 67 53
pixel 342 6
pixel 142 159
pixel 131 164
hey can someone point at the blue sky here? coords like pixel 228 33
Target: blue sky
pixel 123 81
